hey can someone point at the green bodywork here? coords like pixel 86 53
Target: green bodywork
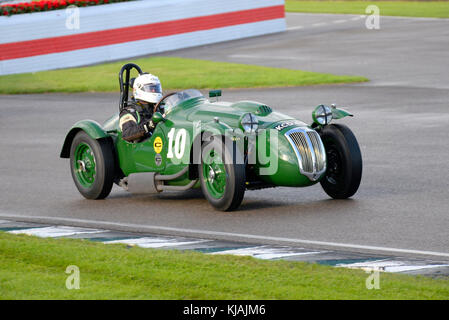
pixel 92 128
pixel 340 113
pixel 215 116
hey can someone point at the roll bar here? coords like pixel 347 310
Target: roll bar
pixel 124 86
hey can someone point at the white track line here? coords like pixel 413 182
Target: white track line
pixel 295 28
pixel 265 252
pixel 390 266
pixel 147 242
pixel 322 24
pixel 242 236
pixel 53 232
pixel 340 21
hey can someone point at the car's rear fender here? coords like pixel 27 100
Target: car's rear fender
pixel 92 128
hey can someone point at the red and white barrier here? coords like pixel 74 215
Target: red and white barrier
pixel 46 40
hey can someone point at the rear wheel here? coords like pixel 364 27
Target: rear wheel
pixel 92 166
pixel 222 179
pixel 344 161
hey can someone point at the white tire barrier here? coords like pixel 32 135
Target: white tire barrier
pixel 56 39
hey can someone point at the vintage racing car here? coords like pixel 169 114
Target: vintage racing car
pixel 225 148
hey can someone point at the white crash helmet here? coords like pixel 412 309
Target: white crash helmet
pixel 147 87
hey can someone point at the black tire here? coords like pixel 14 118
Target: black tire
pixel 102 150
pixel 344 162
pixel 234 190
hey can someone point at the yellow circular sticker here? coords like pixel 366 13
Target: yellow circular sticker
pixel 157 145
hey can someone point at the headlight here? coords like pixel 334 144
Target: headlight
pixel 249 123
pixel 322 115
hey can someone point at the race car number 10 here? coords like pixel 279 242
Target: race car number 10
pixel 179 143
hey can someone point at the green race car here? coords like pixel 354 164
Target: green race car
pixel 225 148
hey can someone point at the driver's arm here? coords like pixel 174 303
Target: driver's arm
pixel 131 130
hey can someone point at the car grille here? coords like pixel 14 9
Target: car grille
pixel 309 150
pixel 319 153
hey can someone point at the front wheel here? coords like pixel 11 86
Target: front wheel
pixel 92 166
pixel 222 178
pixel 344 161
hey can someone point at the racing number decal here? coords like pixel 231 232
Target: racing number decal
pixel 180 143
pixel 157 145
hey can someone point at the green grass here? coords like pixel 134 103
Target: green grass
pixel 174 73
pixel 433 9
pixel 34 268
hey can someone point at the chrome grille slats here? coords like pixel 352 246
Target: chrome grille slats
pixel 304 150
pixel 309 150
pixel 316 142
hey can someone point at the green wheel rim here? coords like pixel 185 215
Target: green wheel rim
pixel 214 174
pixel 84 165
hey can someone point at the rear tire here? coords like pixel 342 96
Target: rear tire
pixel 92 165
pixel 223 184
pixel 344 162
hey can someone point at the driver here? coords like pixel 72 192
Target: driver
pixel 135 120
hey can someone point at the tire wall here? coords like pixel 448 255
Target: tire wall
pixel 69 38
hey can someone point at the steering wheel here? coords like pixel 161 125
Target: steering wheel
pixel 157 106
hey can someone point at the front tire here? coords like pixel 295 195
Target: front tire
pixel 92 165
pixel 344 162
pixel 223 184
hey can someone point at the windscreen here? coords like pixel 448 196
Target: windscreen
pixel 179 97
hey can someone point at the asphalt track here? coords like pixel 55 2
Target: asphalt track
pixel 401 121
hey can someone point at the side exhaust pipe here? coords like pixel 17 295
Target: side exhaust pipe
pixel 152 182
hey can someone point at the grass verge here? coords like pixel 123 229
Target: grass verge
pixel 432 9
pixel 174 73
pixel 34 268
